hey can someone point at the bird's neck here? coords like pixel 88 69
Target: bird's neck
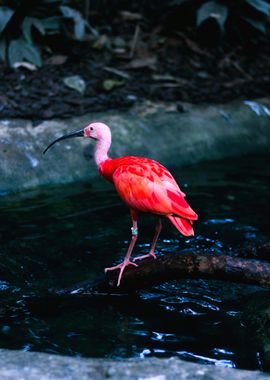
pixel 101 152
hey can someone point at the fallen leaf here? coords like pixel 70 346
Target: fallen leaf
pixel 120 73
pixel 130 16
pixel 140 63
pixel 163 77
pixel 119 42
pixel 75 82
pixel 25 65
pixel 102 42
pixel 57 59
pixel 167 85
pixel 119 51
pixel 235 82
pixel 193 45
pixel 110 84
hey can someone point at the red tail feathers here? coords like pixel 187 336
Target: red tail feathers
pixel 183 225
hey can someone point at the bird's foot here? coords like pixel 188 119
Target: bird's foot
pixel 145 256
pixel 120 266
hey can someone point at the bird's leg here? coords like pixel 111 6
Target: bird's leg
pixel 134 237
pixel 154 242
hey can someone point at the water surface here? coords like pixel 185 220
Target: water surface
pixel 57 237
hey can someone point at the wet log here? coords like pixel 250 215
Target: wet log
pixel 182 265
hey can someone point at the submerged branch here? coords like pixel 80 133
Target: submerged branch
pixel 173 266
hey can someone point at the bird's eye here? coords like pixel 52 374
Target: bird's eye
pixel 91 128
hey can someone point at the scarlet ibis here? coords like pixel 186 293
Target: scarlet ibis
pixel 143 184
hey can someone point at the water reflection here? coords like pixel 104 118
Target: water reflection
pixel 61 236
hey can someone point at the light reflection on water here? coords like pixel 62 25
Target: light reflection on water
pixel 61 236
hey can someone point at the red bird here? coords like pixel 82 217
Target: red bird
pixel 143 184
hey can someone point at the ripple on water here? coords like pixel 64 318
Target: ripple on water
pixel 206 360
pixel 62 236
pixel 219 221
pixel 4 285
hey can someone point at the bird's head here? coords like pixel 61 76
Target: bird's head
pixel 96 131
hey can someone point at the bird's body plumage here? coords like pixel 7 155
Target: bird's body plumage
pixel 147 186
pixel 143 184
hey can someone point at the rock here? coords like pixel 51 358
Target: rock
pixel 153 130
pixel 39 366
pixel 256 316
pixel 75 82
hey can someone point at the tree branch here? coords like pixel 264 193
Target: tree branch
pixel 173 266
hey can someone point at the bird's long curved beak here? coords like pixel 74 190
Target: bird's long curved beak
pixel 79 133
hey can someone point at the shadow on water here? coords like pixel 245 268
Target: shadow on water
pixel 57 237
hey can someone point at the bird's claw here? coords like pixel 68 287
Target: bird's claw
pixel 121 266
pixel 145 257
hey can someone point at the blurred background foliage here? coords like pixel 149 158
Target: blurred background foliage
pixel 23 23
pixel 26 25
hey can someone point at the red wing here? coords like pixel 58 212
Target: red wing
pixel 150 187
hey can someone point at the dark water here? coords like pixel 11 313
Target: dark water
pixel 60 236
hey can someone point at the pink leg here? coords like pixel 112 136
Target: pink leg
pixel 134 237
pixel 154 242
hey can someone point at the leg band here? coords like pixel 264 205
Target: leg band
pixel 134 231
